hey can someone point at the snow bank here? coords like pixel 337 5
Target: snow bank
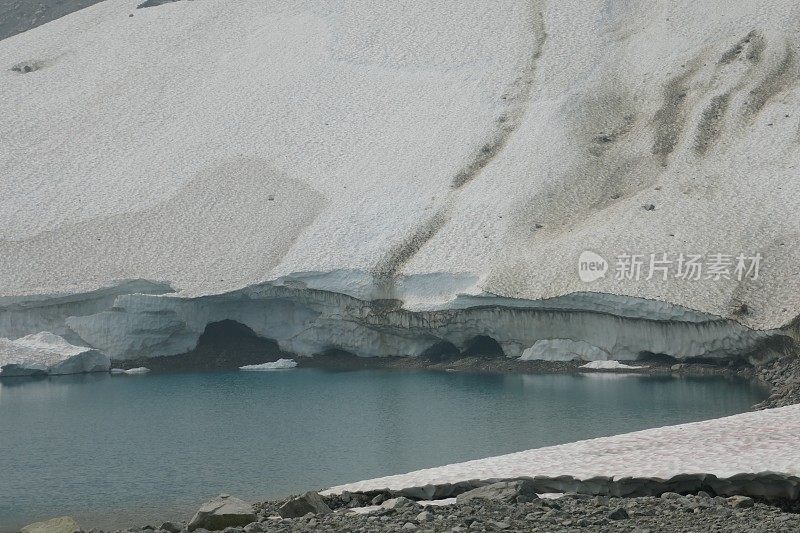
pixel 275 365
pixel 421 157
pixel 610 365
pixel 46 353
pixel 749 443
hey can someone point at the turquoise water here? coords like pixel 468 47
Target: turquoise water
pixel 124 450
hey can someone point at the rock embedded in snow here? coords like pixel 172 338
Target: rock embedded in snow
pixel 280 364
pixel 45 353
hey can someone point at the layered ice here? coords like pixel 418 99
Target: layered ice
pixel 45 353
pixel 307 321
pixel 389 179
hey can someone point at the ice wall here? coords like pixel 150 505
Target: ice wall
pixel 308 321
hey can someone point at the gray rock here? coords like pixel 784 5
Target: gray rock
pixel 740 502
pixel 310 502
pixel 505 491
pixel 221 512
pixel 410 526
pixel 377 500
pixel 358 499
pixel 618 514
pixel 254 527
pixel 424 516
pixel 671 496
pixel 172 527
pixel 398 503
pixel 62 524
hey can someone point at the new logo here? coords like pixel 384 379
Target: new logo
pixel 591 266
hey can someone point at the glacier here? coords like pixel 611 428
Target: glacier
pixel 390 179
pixel 47 354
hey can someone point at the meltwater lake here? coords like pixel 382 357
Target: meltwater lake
pixel 118 451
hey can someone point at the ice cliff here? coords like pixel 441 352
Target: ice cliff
pixel 45 353
pixel 400 178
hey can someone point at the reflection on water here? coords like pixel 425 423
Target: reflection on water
pixel 123 450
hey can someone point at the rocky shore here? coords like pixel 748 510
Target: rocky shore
pixel 783 377
pixel 507 508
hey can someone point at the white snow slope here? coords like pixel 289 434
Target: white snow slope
pixel 425 154
pixel 753 442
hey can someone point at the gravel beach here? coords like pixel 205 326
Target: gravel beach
pixel 670 512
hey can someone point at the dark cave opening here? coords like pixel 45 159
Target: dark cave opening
pixel 441 351
pixel 483 346
pixel 223 345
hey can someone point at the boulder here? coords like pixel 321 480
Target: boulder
pixel 505 491
pixel 172 527
pixel 221 512
pixel 62 524
pixel 740 502
pixel 254 527
pixel 398 503
pixel 310 502
pixel 619 513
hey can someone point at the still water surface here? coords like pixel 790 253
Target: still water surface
pixel 129 450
